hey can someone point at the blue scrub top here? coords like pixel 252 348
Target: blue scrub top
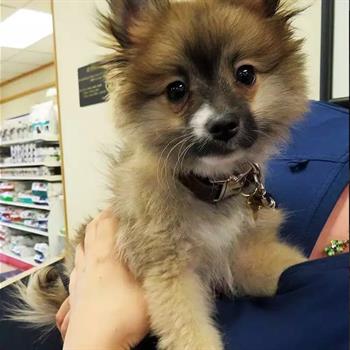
pixel 310 310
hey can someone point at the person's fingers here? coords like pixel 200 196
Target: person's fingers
pixel 61 313
pixel 107 213
pixel 79 258
pixel 107 228
pixel 90 234
pixel 101 233
pixel 64 326
pixel 78 270
pixel 72 282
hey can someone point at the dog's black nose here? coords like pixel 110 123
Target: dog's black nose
pixel 225 128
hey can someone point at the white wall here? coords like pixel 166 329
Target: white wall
pixel 86 131
pixel 341 49
pixel 23 104
pixel 308 26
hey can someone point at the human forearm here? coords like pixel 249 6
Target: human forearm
pixel 106 309
pixel 107 336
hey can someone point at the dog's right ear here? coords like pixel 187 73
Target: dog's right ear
pixel 124 15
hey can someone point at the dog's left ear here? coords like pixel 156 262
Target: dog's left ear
pixel 266 8
pixel 124 15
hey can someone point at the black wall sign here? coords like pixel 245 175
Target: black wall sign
pixel 92 85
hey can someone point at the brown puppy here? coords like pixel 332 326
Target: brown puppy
pixel 202 90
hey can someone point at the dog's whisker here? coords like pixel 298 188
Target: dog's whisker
pixel 165 163
pixel 160 158
pixel 178 153
pixel 164 160
pixel 181 151
pixel 207 139
pixel 185 153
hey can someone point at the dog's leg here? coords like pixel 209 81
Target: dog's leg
pixel 260 257
pixel 180 310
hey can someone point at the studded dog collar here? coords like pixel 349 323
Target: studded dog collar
pixel 247 183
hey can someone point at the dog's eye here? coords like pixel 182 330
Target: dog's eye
pixel 246 75
pixel 176 91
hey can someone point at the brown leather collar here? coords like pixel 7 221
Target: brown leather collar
pixel 247 183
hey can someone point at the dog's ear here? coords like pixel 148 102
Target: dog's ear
pixel 266 8
pixel 124 15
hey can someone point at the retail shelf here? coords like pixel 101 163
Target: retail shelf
pixel 51 178
pixel 23 165
pixel 8 253
pixel 20 276
pixel 42 138
pixel 26 205
pixel 24 228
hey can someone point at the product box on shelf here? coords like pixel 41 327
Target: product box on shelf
pixel 40 122
pixel 30 171
pixel 28 218
pixel 38 193
pixel 29 247
pixel 32 152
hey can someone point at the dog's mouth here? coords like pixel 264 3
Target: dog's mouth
pixel 210 147
pixel 205 148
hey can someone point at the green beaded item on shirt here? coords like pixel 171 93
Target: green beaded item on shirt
pixel 336 247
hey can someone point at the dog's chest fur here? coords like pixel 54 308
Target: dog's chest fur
pixel 161 221
pixel 214 229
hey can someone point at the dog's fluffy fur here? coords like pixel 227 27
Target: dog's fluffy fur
pixel 179 247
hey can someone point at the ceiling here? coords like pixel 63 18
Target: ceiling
pixel 17 61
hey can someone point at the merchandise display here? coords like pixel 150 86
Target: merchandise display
pixel 29 248
pixel 40 122
pixel 31 194
pixel 32 153
pixel 30 171
pixel 30 218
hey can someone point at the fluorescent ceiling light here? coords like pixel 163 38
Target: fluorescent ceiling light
pixel 24 28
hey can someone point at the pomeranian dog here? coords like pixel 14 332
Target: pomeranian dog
pixel 204 91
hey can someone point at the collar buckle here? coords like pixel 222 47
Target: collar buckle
pixel 231 186
pixel 250 185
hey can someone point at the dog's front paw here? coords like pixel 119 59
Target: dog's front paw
pixel 260 261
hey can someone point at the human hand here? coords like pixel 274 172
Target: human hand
pixel 106 308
